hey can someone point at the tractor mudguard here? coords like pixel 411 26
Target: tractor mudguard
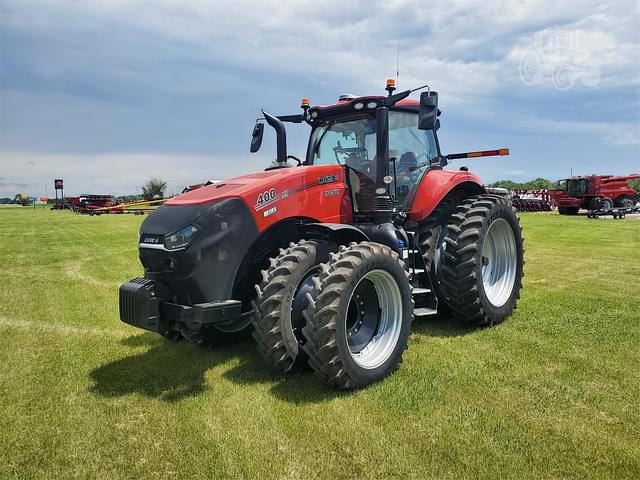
pixel 437 184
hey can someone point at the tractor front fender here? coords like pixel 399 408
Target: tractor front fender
pixel 436 184
pixel 339 233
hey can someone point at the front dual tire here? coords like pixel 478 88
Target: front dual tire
pixel 357 312
pixel 281 300
pixel 359 319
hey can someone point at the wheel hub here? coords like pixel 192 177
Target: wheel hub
pixel 374 319
pixel 499 262
pixel 363 316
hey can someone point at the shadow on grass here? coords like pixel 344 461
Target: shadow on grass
pixel 168 371
pixel 173 371
pixel 442 326
pixel 299 387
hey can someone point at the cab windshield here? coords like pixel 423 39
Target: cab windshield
pixel 352 142
pixel 577 187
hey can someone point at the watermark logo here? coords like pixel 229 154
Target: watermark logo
pixel 558 58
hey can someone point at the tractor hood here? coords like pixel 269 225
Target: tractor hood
pixel 194 243
pixel 235 187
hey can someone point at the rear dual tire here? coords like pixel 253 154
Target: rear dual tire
pixel 483 261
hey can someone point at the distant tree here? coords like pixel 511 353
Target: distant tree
pixel 154 188
pixel 635 184
pixel 539 184
pixel 508 184
pixel 536 184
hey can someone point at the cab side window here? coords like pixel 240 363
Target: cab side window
pixel 413 150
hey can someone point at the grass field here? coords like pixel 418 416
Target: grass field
pixel 553 392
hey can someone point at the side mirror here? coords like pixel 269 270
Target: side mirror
pixel 256 136
pixel 428 110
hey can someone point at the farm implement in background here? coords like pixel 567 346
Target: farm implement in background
pixel 526 200
pixel 532 200
pixel 87 203
pixel 596 193
pixel 618 213
pixel 136 208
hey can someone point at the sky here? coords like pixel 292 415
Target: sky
pixel 109 93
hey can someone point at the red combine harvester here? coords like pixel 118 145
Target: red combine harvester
pixel 594 193
pixel 329 258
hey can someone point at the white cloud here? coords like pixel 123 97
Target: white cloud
pixel 614 133
pixel 118 173
pixel 459 45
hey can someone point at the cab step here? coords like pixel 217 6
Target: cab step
pixel 420 290
pixel 424 312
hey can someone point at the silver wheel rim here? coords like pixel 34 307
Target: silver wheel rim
pixel 499 262
pixel 389 321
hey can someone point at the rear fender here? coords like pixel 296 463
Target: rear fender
pixel 436 184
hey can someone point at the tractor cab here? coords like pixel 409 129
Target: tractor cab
pixel 386 144
pixel 350 140
pixel 573 186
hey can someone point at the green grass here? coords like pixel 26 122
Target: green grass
pixel 553 392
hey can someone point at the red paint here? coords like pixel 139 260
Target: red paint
pixel 434 186
pixel 598 186
pixel 405 102
pixel 303 195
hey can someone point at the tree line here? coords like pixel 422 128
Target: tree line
pixel 536 184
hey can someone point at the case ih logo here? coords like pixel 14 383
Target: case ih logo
pixel 327 179
pixel 151 239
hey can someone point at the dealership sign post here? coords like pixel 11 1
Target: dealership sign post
pixel 58 184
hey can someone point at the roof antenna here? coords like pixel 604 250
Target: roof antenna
pixel 398 66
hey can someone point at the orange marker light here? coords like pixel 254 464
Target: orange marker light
pixel 391 83
pixel 305 102
pixel 503 151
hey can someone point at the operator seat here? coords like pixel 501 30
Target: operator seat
pixel 407 160
pixel 406 166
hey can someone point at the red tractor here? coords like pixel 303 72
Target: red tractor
pixel 327 259
pixel 595 192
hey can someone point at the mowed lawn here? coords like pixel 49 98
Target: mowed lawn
pixel 554 392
